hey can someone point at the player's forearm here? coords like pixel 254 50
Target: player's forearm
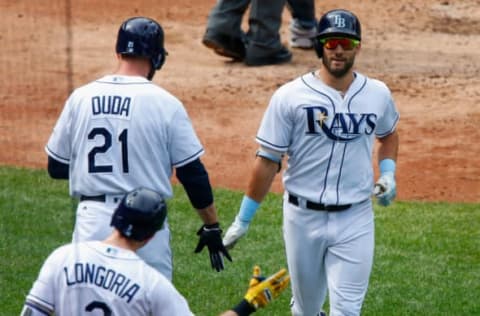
pixel 261 178
pixel 244 308
pixel 388 147
pixel 208 214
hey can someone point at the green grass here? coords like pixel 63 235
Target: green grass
pixel 427 256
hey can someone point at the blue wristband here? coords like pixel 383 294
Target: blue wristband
pixel 248 208
pixel 387 165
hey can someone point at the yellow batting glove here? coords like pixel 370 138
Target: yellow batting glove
pixel 261 291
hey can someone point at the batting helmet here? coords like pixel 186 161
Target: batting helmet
pixel 143 37
pixel 337 22
pixel 140 214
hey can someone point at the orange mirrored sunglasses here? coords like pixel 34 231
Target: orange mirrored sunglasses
pixel 333 42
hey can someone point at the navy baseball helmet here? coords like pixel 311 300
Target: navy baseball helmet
pixel 143 37
pixel 337 22
pixel 140 214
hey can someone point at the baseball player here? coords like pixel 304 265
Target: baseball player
pixel 326 122
pixel 123 131
pixel 108 278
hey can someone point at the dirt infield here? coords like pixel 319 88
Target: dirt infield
pixel 428 53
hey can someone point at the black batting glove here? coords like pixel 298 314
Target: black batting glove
pixel 211 236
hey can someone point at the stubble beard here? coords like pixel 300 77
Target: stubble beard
pixel 339 72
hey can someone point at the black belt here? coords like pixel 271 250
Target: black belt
pixel 96 198
pixel 318 206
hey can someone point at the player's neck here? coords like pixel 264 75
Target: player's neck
pixel 129 72
pixel 117 240
pixel 340 84
pixel 133 68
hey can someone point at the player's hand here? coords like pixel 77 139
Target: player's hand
pixel 262 291
pixel 211 236
pixel 385 189
pixel 235 232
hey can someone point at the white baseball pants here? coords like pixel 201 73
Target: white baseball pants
pixel 328 251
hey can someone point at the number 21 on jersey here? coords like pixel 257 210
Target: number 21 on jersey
pixel 108 142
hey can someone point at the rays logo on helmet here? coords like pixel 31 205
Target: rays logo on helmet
pixel 128 230
pixel 130 47
pixel 339 21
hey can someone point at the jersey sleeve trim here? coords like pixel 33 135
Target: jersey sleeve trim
pixel 56 157
pixel 267 144
pixel 39 308
pixel 39 301
pixel 391 130
pixel 188 159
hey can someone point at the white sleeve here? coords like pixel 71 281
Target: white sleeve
pixel 276 126
pixel 59 144
pixel 183 141
pixel 41 300
pixel 387 123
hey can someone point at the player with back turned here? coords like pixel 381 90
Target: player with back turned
pixel 122 131
pixel 108 278
pixel 326 122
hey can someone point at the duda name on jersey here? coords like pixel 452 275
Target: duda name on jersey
pixel 111 104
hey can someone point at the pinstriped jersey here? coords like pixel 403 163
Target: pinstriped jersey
pixel 94 278
pixel 121 132
pixel 329 138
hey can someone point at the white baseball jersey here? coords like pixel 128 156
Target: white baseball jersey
pixel 94 278
pixel 328 137
pixel 121 132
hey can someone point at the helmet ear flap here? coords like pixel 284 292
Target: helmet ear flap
pixel 162 59
pixel 159 60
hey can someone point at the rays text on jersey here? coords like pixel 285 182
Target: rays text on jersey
pixel 340 126
pixel 108 279
pixel 111 104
